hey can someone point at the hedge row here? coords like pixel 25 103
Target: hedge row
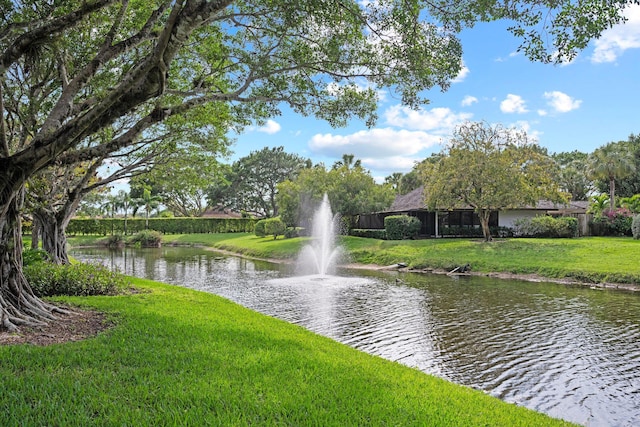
pixel 104 226
pixel 369 233
pixel 547 226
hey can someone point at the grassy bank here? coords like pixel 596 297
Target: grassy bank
pixel 181 357
pixel 589 259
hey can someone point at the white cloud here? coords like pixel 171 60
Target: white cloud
pixel 542 112
pixel 439 120
pixel 561 102
pixel 513 104
pixel 614 41
pixel 468 100
pixel 270 127
pixel 379 143
pixel 391 164
pixel 411 136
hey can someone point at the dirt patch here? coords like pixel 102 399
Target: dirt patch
pixel 75 326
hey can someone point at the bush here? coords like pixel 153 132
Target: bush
pixel 399 227
pixel 292 232
pixel 115 241
pixel 458 231
pixel 146 239
pixel 32 256
pixel 635 227
pixel 48 279
pixel 613 223
pixel 259 228
pixel 369 233
pixel 546 226
pixel 274 227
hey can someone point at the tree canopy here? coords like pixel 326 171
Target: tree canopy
pixel 250 184
pixel 609 163
pixel 74 69
pixel 489 168
pixel 573 174
pixel 351 191
pixel 626 185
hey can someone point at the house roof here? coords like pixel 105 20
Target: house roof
pixel 222 213
pixel 414 200
pixel 411 201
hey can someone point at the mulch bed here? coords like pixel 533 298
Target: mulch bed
pixel 75 326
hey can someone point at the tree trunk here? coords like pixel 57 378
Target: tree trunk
pixel 612 194
pixel 18 304
pixel 484 215
pixel 54 239
pixel 35 234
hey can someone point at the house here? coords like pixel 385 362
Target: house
pixel 220 212
pixel 413 204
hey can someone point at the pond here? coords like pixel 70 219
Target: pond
pixel 571 352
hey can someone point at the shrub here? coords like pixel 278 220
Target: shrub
pixel 274 227
pixel 146 239
pixel 115 241
pixel 369 233
pixel 48 279
pixel 613 223
pixel 546 226
pixel 458 231
pixel 400 227
pixel 292 232
pixel 635 227
pixel 32 256
pixel 259 228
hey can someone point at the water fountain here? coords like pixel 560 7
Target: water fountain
pixel 320 256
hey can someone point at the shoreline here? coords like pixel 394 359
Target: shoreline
pixel 530 277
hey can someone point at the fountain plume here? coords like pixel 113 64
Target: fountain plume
pixel 321 255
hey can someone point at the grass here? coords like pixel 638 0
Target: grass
pixel 182 357
pixel 589 259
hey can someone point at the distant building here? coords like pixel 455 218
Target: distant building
pixel 433 222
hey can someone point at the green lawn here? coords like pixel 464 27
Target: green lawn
pixel 591 259
pixel 182 357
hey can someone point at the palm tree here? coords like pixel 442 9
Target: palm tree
pixel 598 204
pixel 348 162
pixel 110 206
pixel 149 203
pixel 124 202
pixel 609 163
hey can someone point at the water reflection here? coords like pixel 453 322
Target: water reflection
pixel 570 352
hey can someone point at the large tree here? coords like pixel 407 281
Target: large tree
pixel 351 190
pixel 489 168
pixel 251 182
pixel 180 179
pixel 96 63
pixel 573 176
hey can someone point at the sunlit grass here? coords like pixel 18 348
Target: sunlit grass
pixel 182 357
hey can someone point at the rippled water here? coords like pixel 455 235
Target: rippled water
pixel 571 352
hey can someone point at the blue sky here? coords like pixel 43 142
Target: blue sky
pixel 577 106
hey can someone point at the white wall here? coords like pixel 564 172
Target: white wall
pixel 506 218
